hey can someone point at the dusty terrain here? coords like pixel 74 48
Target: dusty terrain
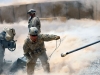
pixel 74 34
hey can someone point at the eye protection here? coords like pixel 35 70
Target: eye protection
pixel 33 35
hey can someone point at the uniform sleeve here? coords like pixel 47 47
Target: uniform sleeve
pixel 26 48
pixel 29 22
pixel 47 37
pixel 36 23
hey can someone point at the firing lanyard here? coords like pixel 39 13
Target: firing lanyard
pixel 55 49
pixel 52 52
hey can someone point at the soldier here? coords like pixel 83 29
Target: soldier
pixel 5 37
pixel 34 48
pixel 33 20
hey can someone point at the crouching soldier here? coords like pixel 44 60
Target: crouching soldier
pixel 34 48
pixel 6 41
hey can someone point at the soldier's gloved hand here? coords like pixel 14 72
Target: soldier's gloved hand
pixel 27 56
pixel 57 37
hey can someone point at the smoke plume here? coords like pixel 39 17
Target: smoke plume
pixel 74 34
pixel 18 2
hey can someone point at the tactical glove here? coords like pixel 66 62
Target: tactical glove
pixel 27 55
pixel 57 37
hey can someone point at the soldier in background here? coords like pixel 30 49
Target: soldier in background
pixel 6 36
pixel 34 48
pixel 33 20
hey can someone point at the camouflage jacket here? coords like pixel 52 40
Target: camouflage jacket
pixel 34 22
pixel 30 46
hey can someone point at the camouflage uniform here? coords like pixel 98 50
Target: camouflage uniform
pixel 34 22
pixel 35 50
pixel 2 50
pixel 7 34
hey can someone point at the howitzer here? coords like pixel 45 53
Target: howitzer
pixel 64 54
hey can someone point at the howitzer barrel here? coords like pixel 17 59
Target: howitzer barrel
pixel 64 54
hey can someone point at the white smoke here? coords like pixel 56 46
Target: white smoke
pixel 74 34
pixel 18 2
pixel 87 3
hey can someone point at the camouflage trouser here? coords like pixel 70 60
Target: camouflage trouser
pixel 32 62
pixel 2 50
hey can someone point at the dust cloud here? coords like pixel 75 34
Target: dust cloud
pixel 86 3
pixel 74 34
pixel 18 2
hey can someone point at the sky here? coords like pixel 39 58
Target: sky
pixel 5 1
pixel 8 1
pixel 12 2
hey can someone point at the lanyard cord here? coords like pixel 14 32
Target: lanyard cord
pixel 51 53
pixel 55 48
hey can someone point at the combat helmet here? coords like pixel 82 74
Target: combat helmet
pixel 33 31
pixel 31 11
pixel 10 33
